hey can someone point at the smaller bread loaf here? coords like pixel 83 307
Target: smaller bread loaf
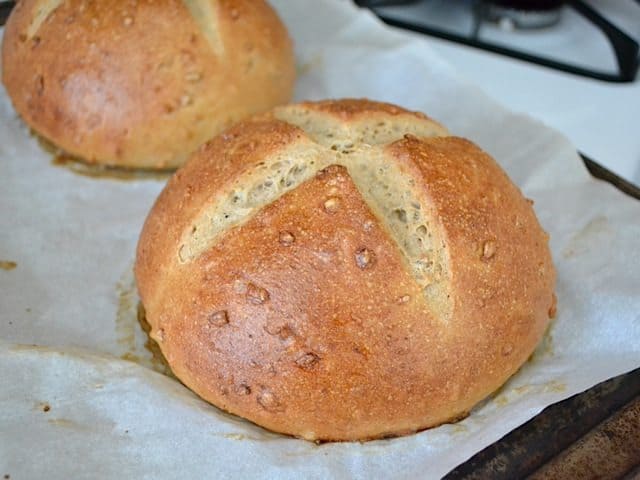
pixel 143 84
pixel 344 270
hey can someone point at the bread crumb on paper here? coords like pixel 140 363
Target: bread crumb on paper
pixel 7 265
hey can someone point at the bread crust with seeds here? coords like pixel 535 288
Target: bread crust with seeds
pixel 386 287
pixel 143 84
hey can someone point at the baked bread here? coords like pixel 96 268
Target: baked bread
pixel 143 84
pixel 344 270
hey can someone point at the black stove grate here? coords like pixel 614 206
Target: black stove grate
pixel 624 47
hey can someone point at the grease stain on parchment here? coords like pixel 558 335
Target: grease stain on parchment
pixel 104 172
pixel 132 329
pixel 459 428
pixel 506 397
pixel 239 437
pixel 545 348
pixel 59 158
pixel 596 231
pixel 314 62
pixel 67 423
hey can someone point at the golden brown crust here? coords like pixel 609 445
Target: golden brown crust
pixel 143 84
pixel 306 319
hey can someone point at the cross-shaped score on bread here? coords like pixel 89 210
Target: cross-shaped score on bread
pixel 204 13
pixel 40 12
pixel 344 270
pixel 143 84
pixel 358 144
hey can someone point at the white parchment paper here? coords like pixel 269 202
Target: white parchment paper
pixel 73 406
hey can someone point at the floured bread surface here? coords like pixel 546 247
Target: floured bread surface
pixel 143 84
pixel 344 270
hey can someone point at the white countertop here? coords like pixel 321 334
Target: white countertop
pixel 600 118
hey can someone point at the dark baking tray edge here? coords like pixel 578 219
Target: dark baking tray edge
pixel 601 173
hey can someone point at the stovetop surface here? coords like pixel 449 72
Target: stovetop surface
pixel 572 39
pixel 599 118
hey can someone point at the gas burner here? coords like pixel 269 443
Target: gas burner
pixel 523 14
pixel 537 31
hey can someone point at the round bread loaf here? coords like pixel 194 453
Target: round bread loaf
pixel 344 270
pixel 143 83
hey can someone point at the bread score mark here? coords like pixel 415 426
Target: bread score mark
pixel 205 14
pixel 388 191
pixel 40 12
